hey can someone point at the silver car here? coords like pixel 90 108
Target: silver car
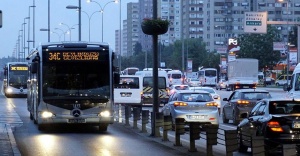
pixel 192 106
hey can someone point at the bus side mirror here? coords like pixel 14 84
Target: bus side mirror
pixel 116 78
pixel 33 68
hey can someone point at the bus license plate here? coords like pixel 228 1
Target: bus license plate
pixel 76 120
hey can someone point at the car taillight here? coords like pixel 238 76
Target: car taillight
pixel 212 104
pixel 180 104
pixel 243 102
pixel 275 126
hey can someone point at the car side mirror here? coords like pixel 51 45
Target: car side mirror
pixel 225 99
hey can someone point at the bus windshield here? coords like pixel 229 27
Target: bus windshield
pixel 17 75
pixel 76 79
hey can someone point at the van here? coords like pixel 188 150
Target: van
pixel 175 77
pixel 129 90
pixel 147 83
pixel 293 86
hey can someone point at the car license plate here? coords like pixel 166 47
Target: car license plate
pixel 296 124
pixel 196 117
pixel 77 121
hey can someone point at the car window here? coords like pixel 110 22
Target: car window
pixel 195 97
pixel 261 109
pixel 208 90
pixel 181 87
pixel 235 95
pixel 284 107
pixel 255 95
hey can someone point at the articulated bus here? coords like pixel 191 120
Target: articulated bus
pixel 208 76
pixel 15 79
pixel 71 83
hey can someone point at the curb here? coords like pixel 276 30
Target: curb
pixel 13 143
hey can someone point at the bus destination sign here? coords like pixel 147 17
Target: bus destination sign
pixel 73 56
pixel 18 68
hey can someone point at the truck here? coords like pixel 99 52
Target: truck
pixel 242 73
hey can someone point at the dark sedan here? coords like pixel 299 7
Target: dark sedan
pixel 241 101
pixel 277 120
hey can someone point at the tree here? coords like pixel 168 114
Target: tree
pixel 293 36
pixel 260 46
pixel 137 48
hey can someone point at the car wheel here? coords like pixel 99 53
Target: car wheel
pixel 224 118
pixel 241 147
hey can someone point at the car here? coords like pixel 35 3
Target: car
pixel 241 101
pixel 174 88
pixel 212 91
pixel 193 82
pixel 192 106
pixel 282 80
pixel 276 119
pixel 222 84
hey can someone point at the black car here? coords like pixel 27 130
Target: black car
pixel 241 101
pixel 277 120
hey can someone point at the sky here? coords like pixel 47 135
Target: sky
pixel 15 12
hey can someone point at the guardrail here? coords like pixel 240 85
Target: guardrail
pixel 212 134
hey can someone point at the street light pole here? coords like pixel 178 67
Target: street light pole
pixel 89 17
pixel 62 32
pixel 59 36
pixel 68 28
pixel 102 11
pixel 79 17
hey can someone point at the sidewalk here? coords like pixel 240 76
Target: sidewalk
pixel 8 120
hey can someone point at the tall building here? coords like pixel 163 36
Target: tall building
pixel 215 21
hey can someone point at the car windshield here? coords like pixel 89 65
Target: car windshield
pixel 284 107
pixel 195 97
pixel 255 95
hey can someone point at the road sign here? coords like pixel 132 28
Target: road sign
pixel 0 18
pixel 255 22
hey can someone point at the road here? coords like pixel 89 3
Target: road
pixel 119 140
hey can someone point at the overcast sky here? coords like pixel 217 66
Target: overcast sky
pixel 14 13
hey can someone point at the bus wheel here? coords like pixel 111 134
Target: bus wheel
pixel 103 127
pixel 31 116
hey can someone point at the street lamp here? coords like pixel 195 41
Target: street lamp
pixel 89 16
pixel 62 32
pixel 102 10
pixel 79 17
pixel 69 29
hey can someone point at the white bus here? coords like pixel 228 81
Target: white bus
pixel 72 83
pixel 208 76
pixel 129 90
pixel 15 79
pixel 130 70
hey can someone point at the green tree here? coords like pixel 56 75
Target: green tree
pixel 137 49
pixel 260 46
pixel 293 36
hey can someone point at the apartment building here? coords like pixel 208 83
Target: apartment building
pixel 215 21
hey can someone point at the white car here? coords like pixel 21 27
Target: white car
pixel 214 94
pixel 174 88
pixel 194 82
pixel 192 106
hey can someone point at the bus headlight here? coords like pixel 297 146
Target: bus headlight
pixel 9 90
pixel 105 114
pixel 46 114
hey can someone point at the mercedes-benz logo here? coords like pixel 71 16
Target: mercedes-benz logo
pixel 76 112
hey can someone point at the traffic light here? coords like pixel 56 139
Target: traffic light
pixel 0 18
